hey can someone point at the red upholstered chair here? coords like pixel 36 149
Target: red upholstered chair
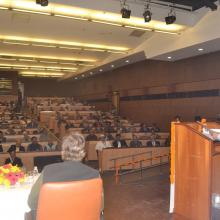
pixel 77 200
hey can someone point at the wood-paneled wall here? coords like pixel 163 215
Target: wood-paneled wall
pixel 145 78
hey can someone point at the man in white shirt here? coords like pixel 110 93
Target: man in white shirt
pixel 102 144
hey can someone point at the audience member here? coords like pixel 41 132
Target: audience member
pixel 109 136
pixel 153 142
pixel 177 119
pixel 91 136
pixel 2 137
pixel 50 146
pixel 144 128
pixel 34 146
pixel 43 135
pixel 118 143
pixel 15 161
pixel 73 152
pixel 102 144
pixel 155 128
pixel 32 124
pixel 17 146
pixel 135 142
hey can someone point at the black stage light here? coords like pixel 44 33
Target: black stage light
pixel 42 2
pixel 125 13
pixel 170 19
pixel 147 16
pixel 210 5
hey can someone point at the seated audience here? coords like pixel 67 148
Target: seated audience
pixel 10 131
pixel 102 144
pixel 2 137
pixel 73 152
pixel 43 135
pixel 69 125
pixel 26 137
pixel 177 119
pixel 135 142
pixel 17 146
pixel 15 161
pixel 32 124
pixel 50 146
pixel 153 142
pixel 118 143
pixel 197 118
pixel 109 136
pixel 155 128
pixel 34 146
pixel 91 136
pixel 144 128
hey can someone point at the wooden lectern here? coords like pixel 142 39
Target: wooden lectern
pixel 197 171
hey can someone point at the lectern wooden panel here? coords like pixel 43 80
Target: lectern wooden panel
pixel 197 172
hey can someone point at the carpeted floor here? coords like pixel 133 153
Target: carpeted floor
pixel 136 199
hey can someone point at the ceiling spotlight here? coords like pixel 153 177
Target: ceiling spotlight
pixel 171 18
pixel 147 14
pixel 91 73
pixel 101 70
pixel 200 49
pixel 127 61
pixel 125 11
pixel 112 66
pixel 169 58
pixel 42 2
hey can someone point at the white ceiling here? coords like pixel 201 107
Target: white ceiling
pixel 63 29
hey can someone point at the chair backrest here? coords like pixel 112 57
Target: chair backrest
pixel 77 200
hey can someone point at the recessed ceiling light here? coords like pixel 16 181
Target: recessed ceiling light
pixel 200 49
pixel 127 61
pixel 101 70
pixel 91 73
pixel 112 65
pixel 169 58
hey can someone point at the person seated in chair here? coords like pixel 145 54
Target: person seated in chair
pixel 144 128
pixel 109 136
pixel 2 137
pixel 118 143
pixel 32 124
pixel 153 142
pixel 71 169
pixel 103 143
pixel 91 136
pixel 135 142
pixel 51 146
pixel 15 161
pixel 17 146
pixel 34 146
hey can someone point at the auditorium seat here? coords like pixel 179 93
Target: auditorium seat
pixel 79 200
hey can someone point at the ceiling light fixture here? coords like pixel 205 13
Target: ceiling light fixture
pixel 100 70
pixel 112 66
pixel 48 57
pixel 91 73
pixel 200 49
pixel 147 13
pixel 169 58
pixel 127 61
pixel 125 11
pixel 171 18
pixel 43 3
